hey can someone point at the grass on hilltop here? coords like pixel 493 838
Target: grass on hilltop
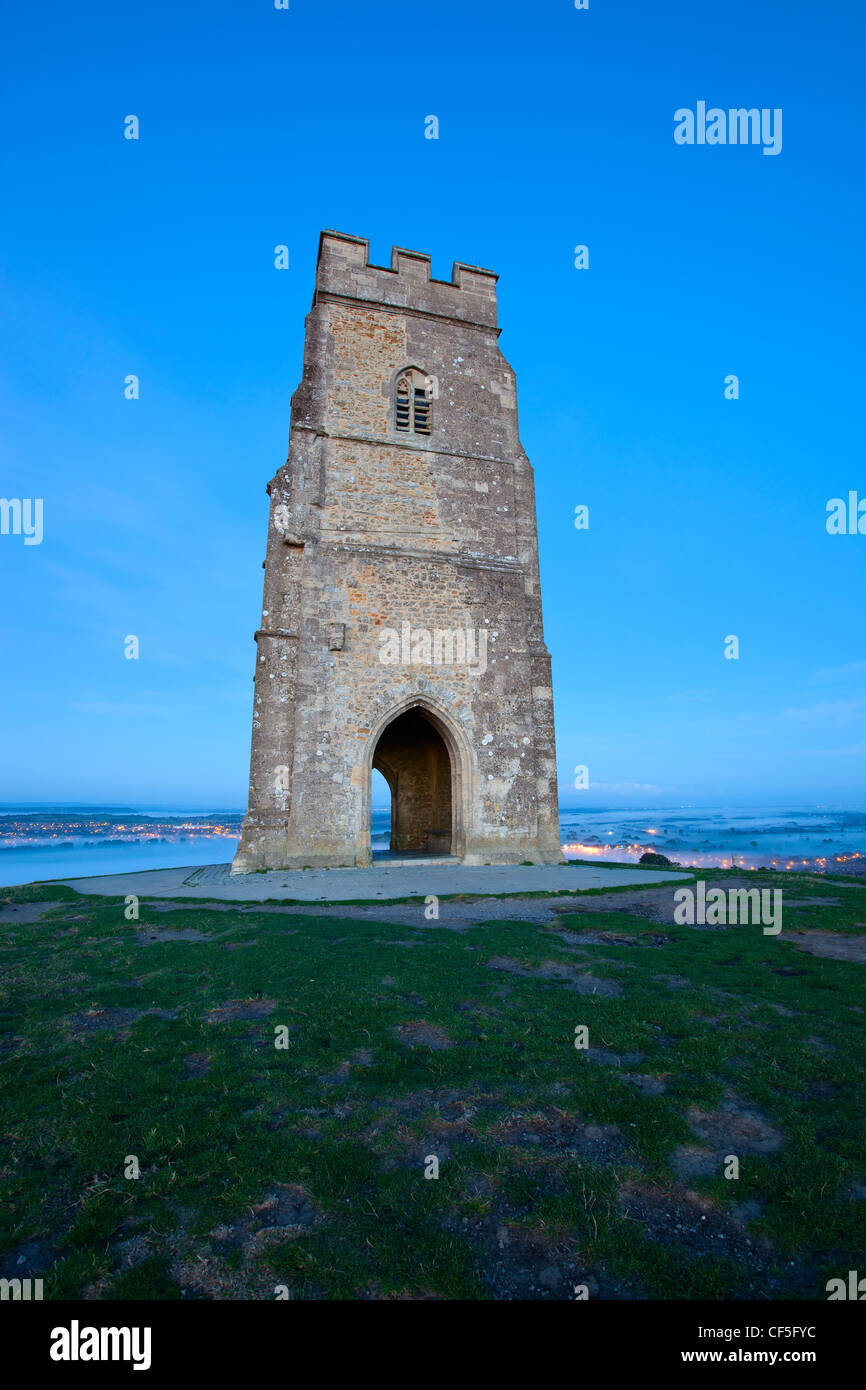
pixel 304 1167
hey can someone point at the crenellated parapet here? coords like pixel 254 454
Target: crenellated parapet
pixel 344 271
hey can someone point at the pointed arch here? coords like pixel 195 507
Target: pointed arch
pixel 412 393
pixel 460 756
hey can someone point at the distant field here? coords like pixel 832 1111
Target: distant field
pixel 304 1167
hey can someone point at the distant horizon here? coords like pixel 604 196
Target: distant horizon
pixel 49 841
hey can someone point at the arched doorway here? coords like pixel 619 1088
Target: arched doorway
pixel 413 757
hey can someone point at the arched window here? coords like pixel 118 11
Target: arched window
pixel 413 409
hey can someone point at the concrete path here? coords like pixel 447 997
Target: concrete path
pixel 382 881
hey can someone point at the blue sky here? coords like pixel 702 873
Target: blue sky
pixel 259 127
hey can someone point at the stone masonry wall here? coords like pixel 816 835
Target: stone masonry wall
pixel 373 531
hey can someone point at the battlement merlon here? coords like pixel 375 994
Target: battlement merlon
pixel 343 271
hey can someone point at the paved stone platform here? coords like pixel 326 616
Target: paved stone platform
pixel 214 881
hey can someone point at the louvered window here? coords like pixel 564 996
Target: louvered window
pixel 413 413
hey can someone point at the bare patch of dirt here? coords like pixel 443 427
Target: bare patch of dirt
pixel 448 1105
pixel 150 936
pixel 694 1224
pixel 568 975
pixel 422 1034
pixel 441 1139
pixel 735 1128
pixel 516 1261
pixel 201 1270
pixel 195 905
pixel 656 904
pixel 560 1132
pixel 288 1207
pixel 646 1084
pixel 694 1161
pixel 94 1020
pixel 829 944
pixel 241 1009
pixel 131 1252
pixel 413 1104
pixel 612 938
pixel 605 1058
pixel 25 913
pixel 198 1063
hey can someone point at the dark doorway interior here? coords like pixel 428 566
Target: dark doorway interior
pixel 412 757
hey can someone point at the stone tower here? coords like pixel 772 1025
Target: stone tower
pixel 401 624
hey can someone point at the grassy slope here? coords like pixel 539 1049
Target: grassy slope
pixel 305 1167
